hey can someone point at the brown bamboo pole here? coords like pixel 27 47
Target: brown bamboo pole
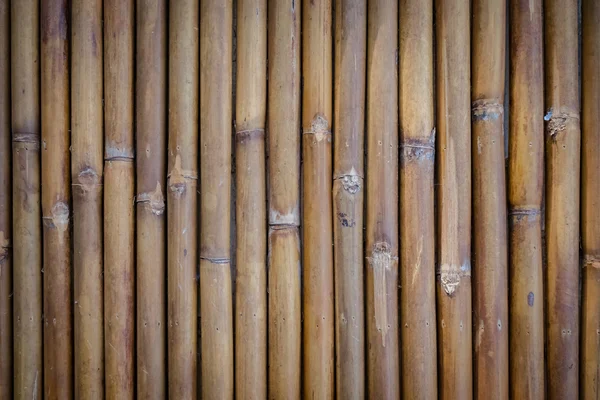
pixel 490 292
pixel 562 197
pixel 151 139
pixel 284 316
pixel 417 218
pixel 119 289
pixel 251 235
pixel 525 189
pixel 87 172
pixel 590 202
pixel 348 196
pixel 6 359
pixel 383 353
pixel 56 201
pixel 27 227
pixel 182 164
pixel 453 150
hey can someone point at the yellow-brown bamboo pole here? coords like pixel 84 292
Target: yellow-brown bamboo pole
pixel 27 226
pixel 453 158
pixel 383 352
pixel 348 196
pixel 119 289
pixel 562 197
pixel 86 172
pixel 417 218
pixel 251 235
pixel 317 252
pixel 6 360
pixel 284 200
pixel 56 201
pixel 525 189
pixel 182 164
pixel 490 257
pixel 590 202
pixel 151 172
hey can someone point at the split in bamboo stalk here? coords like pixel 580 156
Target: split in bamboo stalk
pixel 490 292
pixel 590 202
pixel 348 196
pixel 417 218
pixel 251 236
pixel 453 158
pixel 284 200
pixel 86 172
pixel 119 289
pixel 151 138
pixel 27 227
pixel 526 183
pixel 56 201
pixel 182 199
pixel 562 197
pixel 383 354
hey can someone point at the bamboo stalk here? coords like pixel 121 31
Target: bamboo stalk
pixel 490 292
pixel 251 249
pixel 417 218
pixel 284 316
pixel 590 202
pixel 27 227
pixel 87 173
pixel 56 199
pixel 383 354
pixel 182 202
pixel 525 190
pixel 119 289
pixel 151 138
pixel 562 197
pixel 348 196
pixel 453 150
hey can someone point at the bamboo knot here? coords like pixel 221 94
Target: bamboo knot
pixel 591 262
pixel 88 180
pixel 381 261
pixel 155 200
pixel 319 128
pixel 249 134
pixel 216 260
pixel 178 178
pixel 557 122
pixel 4 246
pixel 31 141
pixel 451 275
pixel 59 218
pixel 113 153
pixel 486 110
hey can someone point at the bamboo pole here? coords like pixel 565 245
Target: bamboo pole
pixel 453 149
pixel 27 227
pixel 383 354
pixel 525 189
pixel 490 292
pixel 251 235
pixel 348 196
pixel 284 316
pixel 182 164
pixel 119 289
pixel 87 173
pixel 562 197
pixel 56 201
pixel 590 202
pixel 151 138
pixel 417 218
pixel 216 309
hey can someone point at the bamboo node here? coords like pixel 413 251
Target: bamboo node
pixel 30 140
pixel 249 134
pixel 351 183
pixel 277 218
pixel 591 262
pixel 319 127
pixel 178 178
pixel 451 275
pixel 154 199
pixel 59 218
pixel 216 260
pixel 557 122
pixel 113 153
pixel 4 246
pixel 381 262
pixel 487 110
pixel 88 180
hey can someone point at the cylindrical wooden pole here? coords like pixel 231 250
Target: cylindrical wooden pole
pixel 251 235
pixel 383 353
pixel 417 218
pixel 284 200
pixel 490 257
pixel 453 158
pixel 27 226
pixel 182 199
pixel 348 196
pixel 119 285
pixel 151 172
pixel 590 202
pixel 56 201
pixel 87 171
pixel 562 197
pixel 526 183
